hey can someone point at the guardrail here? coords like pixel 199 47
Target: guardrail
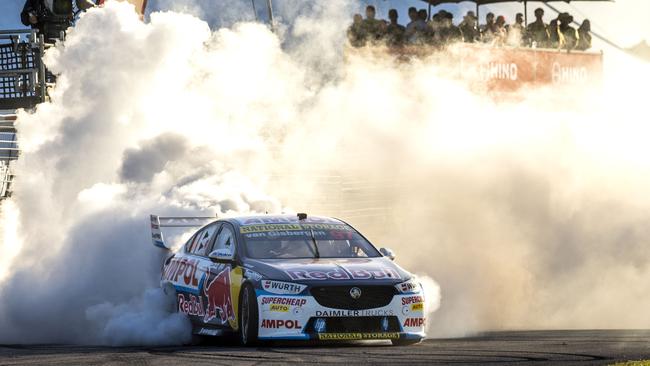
pixel 9 152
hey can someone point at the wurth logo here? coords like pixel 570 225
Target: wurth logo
pixel 217 292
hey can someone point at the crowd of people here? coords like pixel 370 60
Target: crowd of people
pixel 440 30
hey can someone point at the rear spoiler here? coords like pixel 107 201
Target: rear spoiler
pixel 158 222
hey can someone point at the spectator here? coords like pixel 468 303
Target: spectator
pixel 501 31
pixel 423 15
pixel 584 36
pixel 356 32
pixel 556 39
pixel 488 30
pixel 416 29
pixel 449 33
pixel 50 18
pixel 394 31
pixel 468 28
pixel 516 31
pixel 569 33
pixel 372 27
pixel 537 33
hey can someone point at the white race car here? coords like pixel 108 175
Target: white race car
pixel 290 278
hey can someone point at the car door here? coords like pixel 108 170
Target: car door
pixel 188 271
pixel 223 282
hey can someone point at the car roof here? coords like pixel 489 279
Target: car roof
pixel 281 219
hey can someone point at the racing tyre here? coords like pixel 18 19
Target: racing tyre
pixel 248 317
pixel 405 342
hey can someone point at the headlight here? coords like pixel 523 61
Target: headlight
pixel 409 287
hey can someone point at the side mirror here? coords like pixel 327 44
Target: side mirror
pixel 387 253
pixel 221 255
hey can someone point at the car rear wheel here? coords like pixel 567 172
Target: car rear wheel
pixel 248 317
pixel 405 342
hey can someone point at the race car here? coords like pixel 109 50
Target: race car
pixel 289 277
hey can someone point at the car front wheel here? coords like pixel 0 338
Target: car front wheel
pixel 248 317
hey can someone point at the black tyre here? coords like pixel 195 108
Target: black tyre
pixel 405 342
pixel 248 317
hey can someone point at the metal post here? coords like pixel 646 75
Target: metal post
pixel 41 68
pixel 429 12
pixel 478 18
pixel 526 13
pixel 254 10
pixel 269 4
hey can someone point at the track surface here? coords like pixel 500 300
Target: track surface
pixel 512 348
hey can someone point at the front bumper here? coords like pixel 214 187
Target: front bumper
pixel 301 317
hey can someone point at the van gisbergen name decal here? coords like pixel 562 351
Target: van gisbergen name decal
pixel 343 274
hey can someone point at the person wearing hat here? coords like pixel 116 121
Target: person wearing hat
pixel 468 28
pixel 537 32
pixel 569 33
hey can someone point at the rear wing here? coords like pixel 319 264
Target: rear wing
pixel 159 222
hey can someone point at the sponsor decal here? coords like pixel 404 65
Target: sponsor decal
pixel 217 293
pixel 193 306
pixel 414 322
pixel 499 71
pixel 291 227
pixel 279 308
pixel 412 300
pixel 417 307
pixel 210 332
pixel 286 220
pixel 353 313
pixel 408 286
pixel 356 336
pixel 343 273
pixel 292 301
pixel 280 324
pixel 252 275
pixel 320 325
pixel 282 288
pixel 182 271
pixel 568 74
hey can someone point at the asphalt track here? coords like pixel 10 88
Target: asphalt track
pixel 511 348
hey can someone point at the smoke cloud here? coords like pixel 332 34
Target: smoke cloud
pixel 528 213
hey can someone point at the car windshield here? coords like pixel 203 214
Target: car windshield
pixel 274 241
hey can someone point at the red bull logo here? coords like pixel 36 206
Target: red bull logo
pixel 217 293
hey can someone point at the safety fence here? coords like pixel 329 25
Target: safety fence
pixel 22 72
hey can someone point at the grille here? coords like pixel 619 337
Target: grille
pixel 364 324
pixel 338 297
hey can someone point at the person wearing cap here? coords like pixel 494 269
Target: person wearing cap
pixel 584 36
pixel 537 32
pixel 468 28
pixel 394 31
pixel 569 33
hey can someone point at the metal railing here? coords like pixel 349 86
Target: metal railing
pixel 22 72
pixel 9 152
